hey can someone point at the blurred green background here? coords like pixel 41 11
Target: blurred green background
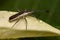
pixel 52 17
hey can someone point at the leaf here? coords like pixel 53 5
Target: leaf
pixel 35 27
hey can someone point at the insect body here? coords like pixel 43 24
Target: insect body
pixel 20 15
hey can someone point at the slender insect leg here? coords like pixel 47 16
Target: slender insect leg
pixel 15 23
pixel 25 22
pixel 9 31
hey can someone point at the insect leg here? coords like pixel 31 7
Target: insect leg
pixel 25 22
pixel 15 23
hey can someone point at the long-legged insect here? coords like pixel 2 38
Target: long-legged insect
pixel 20 15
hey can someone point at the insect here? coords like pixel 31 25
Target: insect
pixel 19 15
